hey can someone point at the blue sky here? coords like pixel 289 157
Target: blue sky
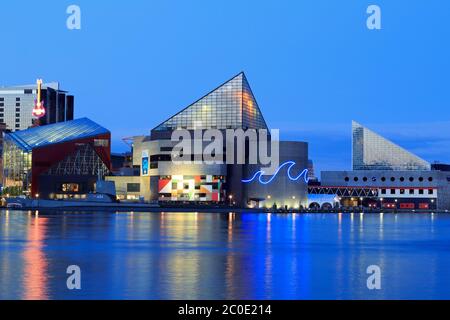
pixel 313 65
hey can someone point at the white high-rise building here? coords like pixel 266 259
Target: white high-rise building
pixel 17 103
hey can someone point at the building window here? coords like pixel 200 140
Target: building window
pixel 153 165
pixel 355 179
pixel 420 191
pixel 1 115
pixel 28 91
pixel 2 104
pixel 2 99
pixel 411 179
pixel 383 191
pixel 365 179
pixel 430 191
pixel 133 187
pixel 17 109
pixel 70 187
pixel 17 120
pixel 421 179
pixel 430 179
pixel 374 179
pixel 392 191
pixel 18 115
pixel 18 104
pixel 347 179
pixel 17 99
pixel 2 109
pixel 402 179
pixel 392 179
pixel 383 179
pixel 17 125
pixel 402 191
pixel 101 143
pixel 411 191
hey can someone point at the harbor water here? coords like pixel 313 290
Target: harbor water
pixel 223 255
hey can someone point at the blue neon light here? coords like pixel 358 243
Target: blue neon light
pixel 290 164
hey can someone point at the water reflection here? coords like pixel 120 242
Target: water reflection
pixel 223 256
pixel 35 263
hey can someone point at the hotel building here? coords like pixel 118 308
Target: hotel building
pixel 17 103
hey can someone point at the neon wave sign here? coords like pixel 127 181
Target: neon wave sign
pixel 258 176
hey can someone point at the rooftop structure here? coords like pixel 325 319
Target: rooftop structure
pixel 56 133
pixel 230 106
pixel 373 152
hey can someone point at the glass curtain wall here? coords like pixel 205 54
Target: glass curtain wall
pixel 16 168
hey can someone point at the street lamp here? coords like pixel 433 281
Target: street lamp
pixel 231 198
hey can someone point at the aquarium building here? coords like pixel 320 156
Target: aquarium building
pixel 386 175
pixel 230 107
pixel 56 161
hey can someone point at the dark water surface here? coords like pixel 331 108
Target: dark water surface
pixel 224 256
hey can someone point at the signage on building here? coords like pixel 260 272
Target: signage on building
pixel 145 160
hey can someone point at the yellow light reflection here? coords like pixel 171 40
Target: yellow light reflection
pixel 36 266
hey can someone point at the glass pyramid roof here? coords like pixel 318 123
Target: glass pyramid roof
pixel 230 106
pixel 55 133
pixel 373 152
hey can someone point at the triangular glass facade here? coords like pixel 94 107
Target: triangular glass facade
pixel 83 162
pixel 373 152
pixel 230 106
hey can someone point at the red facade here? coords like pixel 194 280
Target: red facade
pixel 43 158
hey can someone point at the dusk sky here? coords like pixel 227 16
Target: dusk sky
pixel 313 65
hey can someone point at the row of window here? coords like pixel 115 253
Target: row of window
pixel 2 104
pixel 3 109
pixel 392 179
pixel 410 191
pixel 2 114
pixel 3 99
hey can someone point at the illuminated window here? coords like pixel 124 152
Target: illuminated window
pixel 70 187
pixel 101 143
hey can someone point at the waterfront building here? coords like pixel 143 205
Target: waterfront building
pixel 370 151
pixel 231 106
pixel 17 103
pixel 385 176
pixel 56 161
